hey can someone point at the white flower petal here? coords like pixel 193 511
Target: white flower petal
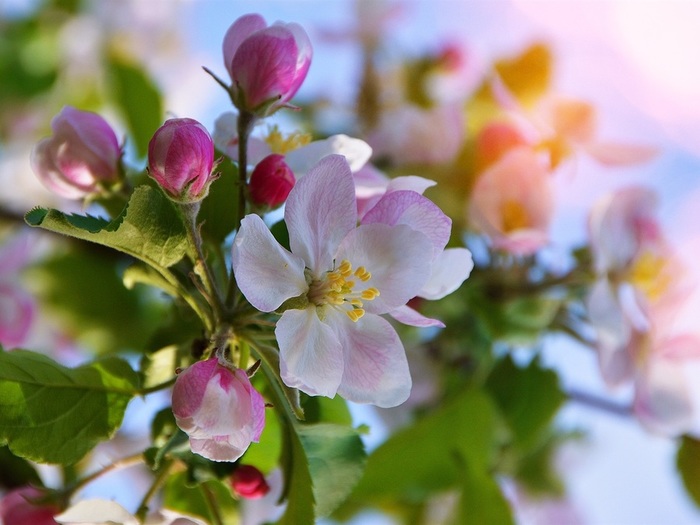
pixel 398 258
pixel 357 152
pixel 96 511
pixel 449 270
pixel 320 211
pixel 410 317
pixel 311 358
pixel 376 368
pixel 266 273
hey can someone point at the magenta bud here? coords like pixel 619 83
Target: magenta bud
pixel 267 65
pixel 23 506
pixel 271 181
pixel 181 159
pixel 248 482
pixel 80 158
pixel 219 410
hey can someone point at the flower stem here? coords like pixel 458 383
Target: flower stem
pixel 189 212
pixel 120 463
pixel 599 403
pixel 160 479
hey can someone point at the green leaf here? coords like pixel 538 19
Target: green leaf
pixel 482 502
pixel 211 500
pixel 16 471
pixel 271 365
pixel 336 459
pixel 529 398
pixel 149 229
pixel 420 459
pixel 53 414
pixel 219 209
pixel 688 464
pixel 265 454
pixel 297 480
pixel 138 98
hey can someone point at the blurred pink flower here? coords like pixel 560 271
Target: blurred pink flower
pixel 181 159
pixel 410 134
pixel 21 507
pixel 267 65
pixel 17 307
pixel 80 158
pixel 512 202
pixel 333 287
pixel 219 409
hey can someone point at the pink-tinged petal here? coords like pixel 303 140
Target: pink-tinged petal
pixel 662 399
pixel 410 183
pixel 614 154
pixel 241 29
pixel 613 333
pixel 304 55
pixel 522 242
pixel 357 152
pixel 680 347
pixel 618 225
pixel 376 368
pixel 320 211
pixel 410 317
pixel 266 273
pixel 264 66
pixel 449 270
pixel 398 258
pixel 414 210
pixel 216 449
pixel 92 131
pixel 311 357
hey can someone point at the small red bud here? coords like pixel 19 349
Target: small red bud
pixel 271 182
pixel 248 482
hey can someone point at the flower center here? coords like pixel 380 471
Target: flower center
pixel 514 215
pixel 651 274
pixel 283 144
pixel 337 289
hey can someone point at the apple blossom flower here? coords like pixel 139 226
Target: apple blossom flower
pixel 271 182
pixel 181 159
pixel 267 64
pixel 333 287
pixel 219 409
pixel 97 511
pixel 300 153
pixel 22 506
pixel 80 158
pixel 512 202
pixel 249 483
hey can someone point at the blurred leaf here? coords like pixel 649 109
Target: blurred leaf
pixel 53 414
pixel 528 397
pixel 161 366
pixel 149 229
pixel 297 480
pixel 201 500
pixel 265 455
pixel 688 465
pixel 481 501
pixel 220 208
pixel 85 292
pixel 280 233
pixel 16 471
pixel 138 98
pixel 336 459
pixel 420 459
pixel 320 409
pixel 536 471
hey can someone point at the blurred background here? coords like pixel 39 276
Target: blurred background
pixel 635 62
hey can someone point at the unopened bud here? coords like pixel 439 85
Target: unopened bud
pixel 271 182
pixel 248 482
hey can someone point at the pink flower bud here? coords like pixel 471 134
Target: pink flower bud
pixel 80 158
pixel 21 507
pixel 181 159
pixel 219 409
pixel 271 182
pixel 248 482
pixel 266 64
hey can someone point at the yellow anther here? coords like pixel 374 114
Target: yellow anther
pixel 369 294
pixel 514 215
pixel 650 273
pixel 345 268
pixel 355 314
pixel 362 274
pixel 283 144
